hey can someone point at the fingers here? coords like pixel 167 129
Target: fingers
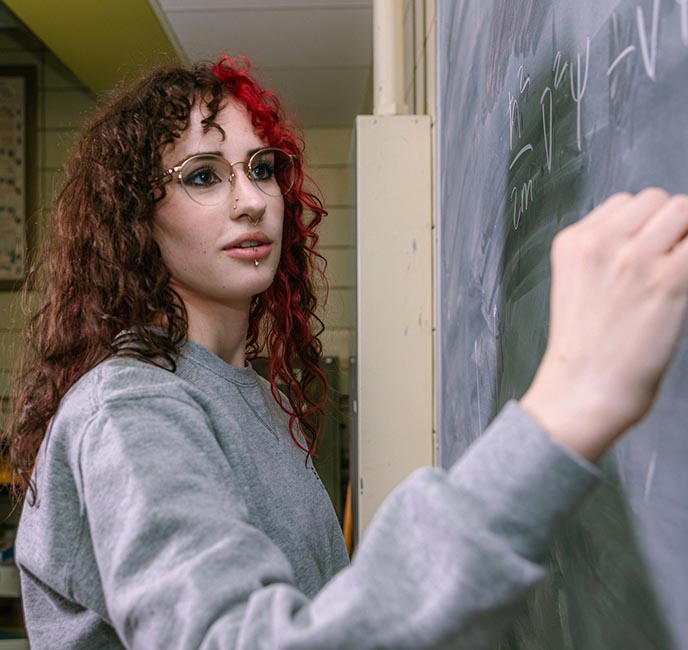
pixel 628 214
pixel 610 205
pixel 652 220
pixel 667 227
pixel 677 266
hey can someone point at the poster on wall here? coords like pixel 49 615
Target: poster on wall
pixel 16 99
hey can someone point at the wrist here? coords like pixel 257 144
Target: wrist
pixel 576 415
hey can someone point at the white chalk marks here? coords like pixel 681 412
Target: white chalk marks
pixel 578 88
pixel 629 50
pixel 648 37
pixel 649 52
pixel 521 201
pixel 547 120
pixel 526 149
pixel 523 84
pixel 514 119
pixel 683 6
pixel 559 70
pixel 643 32
pixel 650 474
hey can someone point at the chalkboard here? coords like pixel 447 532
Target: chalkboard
pixel 545 107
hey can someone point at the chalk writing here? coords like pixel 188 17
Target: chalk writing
pixel 558 71
pixel 523 84
pixel 650 474
pixel 547 120
pixel 630 49
pixel 514 119
pixel 578 89
pixel 579 69
pixel 649 53
pixel 648 39
pixel 683 5
pixel 521 200
pixel 526 149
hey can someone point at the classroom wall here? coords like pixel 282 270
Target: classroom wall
pixel 62 101
pixel 329 158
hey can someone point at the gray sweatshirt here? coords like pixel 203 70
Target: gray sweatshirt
pixel 175 512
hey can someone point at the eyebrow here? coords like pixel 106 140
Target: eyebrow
pixel 197 153
pixel 249 153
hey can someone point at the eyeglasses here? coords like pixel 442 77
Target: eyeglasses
pixel 208 178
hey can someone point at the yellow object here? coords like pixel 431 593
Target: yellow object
pixel 348 527
pixel 100 42
pixel 5 472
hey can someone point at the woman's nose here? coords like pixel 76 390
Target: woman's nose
pixel 246 197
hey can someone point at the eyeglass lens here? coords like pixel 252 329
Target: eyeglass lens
pixel 207 179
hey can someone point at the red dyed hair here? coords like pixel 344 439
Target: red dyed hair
pixel 100 271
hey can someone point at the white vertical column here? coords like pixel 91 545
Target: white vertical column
pixel 394 305
pixel 388 58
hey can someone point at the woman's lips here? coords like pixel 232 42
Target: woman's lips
pixel 256 252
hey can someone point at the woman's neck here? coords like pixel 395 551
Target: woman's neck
pixel 222 331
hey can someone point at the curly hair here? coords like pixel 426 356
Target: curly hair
pixel 101 271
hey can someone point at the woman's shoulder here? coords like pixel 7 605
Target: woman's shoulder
pixel 123 377
pixel 123 381
pixel 119 388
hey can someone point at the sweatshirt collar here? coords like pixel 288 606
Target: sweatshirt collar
pixel 200 355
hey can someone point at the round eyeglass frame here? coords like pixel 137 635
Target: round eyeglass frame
pixel 175 174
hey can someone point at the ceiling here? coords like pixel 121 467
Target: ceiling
pixel 316 53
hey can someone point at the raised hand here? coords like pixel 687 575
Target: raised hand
pixel 618 303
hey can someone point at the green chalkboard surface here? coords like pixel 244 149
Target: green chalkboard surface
pixel 545 107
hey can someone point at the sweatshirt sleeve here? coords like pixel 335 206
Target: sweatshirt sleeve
pixel 446 562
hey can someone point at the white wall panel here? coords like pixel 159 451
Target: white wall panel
pixel 394 308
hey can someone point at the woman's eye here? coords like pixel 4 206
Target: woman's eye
pixel 262 172
pixel 203 177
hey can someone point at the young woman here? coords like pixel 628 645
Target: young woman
pixel 170 498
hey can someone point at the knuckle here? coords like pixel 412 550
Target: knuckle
pixel 666 281
pixel 561 241
pixel 575 242
pixel 679 202
pixel 591 252
pixel 629 262
pixel 655 193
